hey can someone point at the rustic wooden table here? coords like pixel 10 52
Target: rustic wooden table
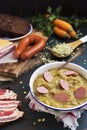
pixel 30 119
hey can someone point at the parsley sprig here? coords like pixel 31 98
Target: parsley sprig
pixel 41 23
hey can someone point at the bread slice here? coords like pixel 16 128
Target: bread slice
pixel 12 26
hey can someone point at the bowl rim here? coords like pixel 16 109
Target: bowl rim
pixel 47 67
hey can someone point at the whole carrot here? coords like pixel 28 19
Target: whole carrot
pixel 62 24
pixel 73 34
pixel 61 33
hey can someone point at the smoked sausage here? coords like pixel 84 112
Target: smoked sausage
pixel 80 93
pixel 42 90
pixel 47 76
pixel 64 84
pixel 71 72
pixel 24 52
pixel 61 97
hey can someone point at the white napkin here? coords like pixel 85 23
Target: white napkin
pixel 68 118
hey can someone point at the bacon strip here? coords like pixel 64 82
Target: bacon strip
pixel 9 106
pixel 10 116
pixel 6 50
pixel 4 105
pixel 7 94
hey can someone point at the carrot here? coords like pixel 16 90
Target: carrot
pixel 72 34
pixel 63 25
pixel 59 32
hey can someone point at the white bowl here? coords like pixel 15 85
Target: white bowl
pixel 48 66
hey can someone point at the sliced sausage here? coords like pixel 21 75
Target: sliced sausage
pixel 64 84
pixel 42 90
pixel 47 76
pixel 71 72
pixel 80 93
pixel 61 97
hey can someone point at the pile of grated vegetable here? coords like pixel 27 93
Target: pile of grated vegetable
pixel 62 49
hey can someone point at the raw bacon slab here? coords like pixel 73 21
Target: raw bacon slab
pixel 7 116
pixel 7 50
pixel 9 106
pixel 7 94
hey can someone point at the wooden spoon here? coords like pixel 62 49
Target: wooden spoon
pixel 64 50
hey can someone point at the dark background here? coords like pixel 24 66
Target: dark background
pixel 26 8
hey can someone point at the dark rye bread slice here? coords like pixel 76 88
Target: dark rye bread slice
pixel 4 24
pixel 4 21
pixel 12 25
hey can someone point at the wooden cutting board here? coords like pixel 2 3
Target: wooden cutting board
pixel 10 71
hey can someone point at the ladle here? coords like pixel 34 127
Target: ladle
pixel 70 48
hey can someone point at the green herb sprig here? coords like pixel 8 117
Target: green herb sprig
pixel 41 23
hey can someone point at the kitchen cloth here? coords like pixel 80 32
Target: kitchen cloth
pixel 70 119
